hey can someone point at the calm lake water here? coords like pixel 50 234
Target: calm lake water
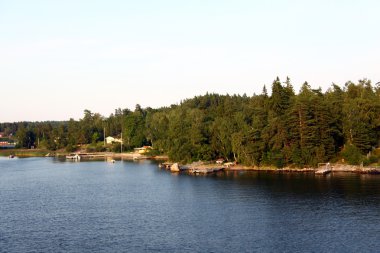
pixel 47 205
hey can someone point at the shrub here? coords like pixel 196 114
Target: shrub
pixel 370 160
pixel 90 148
pixel 153 152
pixel 71 148
pixel 352 155
pixel 100 147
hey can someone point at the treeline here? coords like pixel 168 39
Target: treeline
pixel 280 129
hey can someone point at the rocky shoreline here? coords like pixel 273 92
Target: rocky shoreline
pixel 207 168
pixel 198 167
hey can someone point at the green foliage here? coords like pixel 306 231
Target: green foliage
pixel 372 159
pixel 352 155
pixel 26 137
pixel 96 147
pixel 279 129
pixel 153 152
pixel 71 148
pixel 115 147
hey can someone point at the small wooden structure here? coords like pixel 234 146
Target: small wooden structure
pixel 75 157
pixel 78 156
pixel 323 169
pixel 201 170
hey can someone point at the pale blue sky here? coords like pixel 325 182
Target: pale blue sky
pixel 58 58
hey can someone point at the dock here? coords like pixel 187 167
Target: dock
pixel 91 155
pixel 202 170
pixel 323 169
pixel 78 156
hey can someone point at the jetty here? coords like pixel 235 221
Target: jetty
pixel 91 155
pixel 78 156
pixel 204 170
pixel 74 156
pixel 323 169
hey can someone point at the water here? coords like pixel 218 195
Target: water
pixel 47 205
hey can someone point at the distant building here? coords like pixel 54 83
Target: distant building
pixel 4 135
pixel 5 143
pixel 110 140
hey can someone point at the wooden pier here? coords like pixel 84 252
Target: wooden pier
pixel 204 170
pixel 78 156
pixel 323 169
pixel 91 155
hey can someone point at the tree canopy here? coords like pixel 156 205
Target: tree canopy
pixel 283 128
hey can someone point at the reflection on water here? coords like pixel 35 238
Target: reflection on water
pixel 50 205
pixel 351 184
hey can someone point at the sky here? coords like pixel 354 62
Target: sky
pixel 58 58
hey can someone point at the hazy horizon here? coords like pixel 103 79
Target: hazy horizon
pixel 59 58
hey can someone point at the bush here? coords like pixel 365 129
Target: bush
pixel 100 147
pixel 96 147
pixel 370 160
pixel 116 147
pixel 352 155
pixel 91 148
pixel 153 152
pixel 376 152
pixel 71 148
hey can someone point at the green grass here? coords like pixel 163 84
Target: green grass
pixel 24 152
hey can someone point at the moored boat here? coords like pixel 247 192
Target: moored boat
pixel 73 156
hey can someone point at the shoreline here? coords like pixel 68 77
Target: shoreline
pixel 48 153
pixel 206 167
pixel 334 168
pixel 199 168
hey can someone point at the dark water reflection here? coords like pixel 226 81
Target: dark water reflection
pixel 52 206
pixel 344 184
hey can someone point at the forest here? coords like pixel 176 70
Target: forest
pixel 284 128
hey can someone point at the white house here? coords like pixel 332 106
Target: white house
pixel 110 140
